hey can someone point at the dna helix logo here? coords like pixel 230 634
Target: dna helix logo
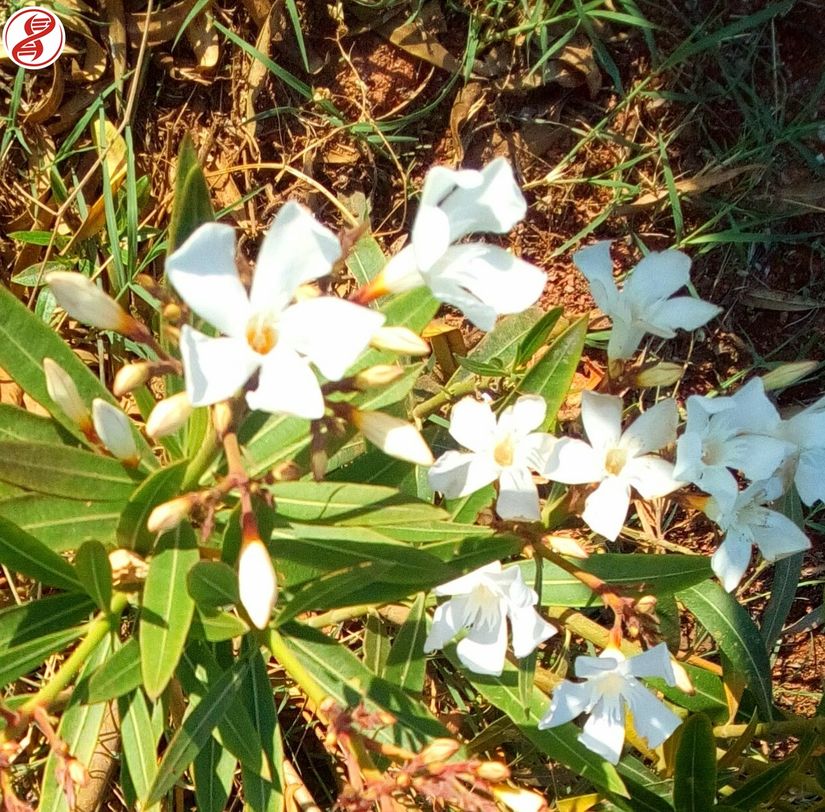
pixel 34 37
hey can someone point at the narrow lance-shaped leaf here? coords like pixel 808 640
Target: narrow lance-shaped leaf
pixel 138 742
pixel 24 554
pixel 95 572
pixel 116 677
pixel 694 782
pixel 406 663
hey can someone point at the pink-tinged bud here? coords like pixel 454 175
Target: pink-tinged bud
pixel 115 431
pixel 519 800
pixel 169 515
pixel 493 771
pixel 77 772
pixel 440 750
pixel 393 436
pixel 83 300
pixel 63 392
pixel 169 415
pixel 379 375
pixel 399 339
pixel 257 583
pixel 130 377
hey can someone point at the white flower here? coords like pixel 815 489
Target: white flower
pixel 505 451
pixel 263 330
pixel 748 522
pixel 483 281
pixel 805 465
pixel 393 436
pixel 115 431
pixel 644 304
pixel 616 460
pixel 481 603
pixel 738 432
pixel 611 685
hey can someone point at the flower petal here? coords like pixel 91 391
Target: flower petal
pixel 602 419
pixel 524 416
pixel 659 275
pixel 331 332
pixel 535 451
pixel 204 273
pixel 604 731
pixel 606 508
pixel 574 462
pixel 595 263
pixel 730 560
pixel 755 455
pixel 295 250
pixel 465 584
pixel 287 385
pixel 485 281
pixel 653 429
pixel 625 337
pixel 777 536
pixel 529 629
pixel 484 648
pixel 445 627
pixel 652 719
pixel 456 473
pixel 518 497
pixel 569 700
pixel 655 662
pixel 808 479
pixel 682 312
pixel 473 424
pixel 114 429
pixel 400 273
pixel 215 368
pixel 651 476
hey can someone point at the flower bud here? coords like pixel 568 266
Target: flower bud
pixel 517 799
pixel 83 300
pixel 393 436
pixel 169 515
pixel 439 750
pixel 683 681
pixel 399 339
pixel 493 771
pixel 115 431
pixel 127 567
pixel 169 415
pixel 222 418
pixel 130 377
pixel 564 545
pixel 646 605
pixel 63 392
pixel 379 375
pixel 787 374
pixel 664 373
pixel 257 583
pixel 77 772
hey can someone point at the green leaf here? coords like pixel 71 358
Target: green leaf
pixel 167 608
pixel 19 624
pixel 552 374
pixel 213 584
pixel 730 625
pixel 537 335
pixel 406 664
pixel 350 504
pixel 191 203
pixel 196 729
pixel 138 742
pixel 763 786
pixel 365 259
pixel 213 771
pixel 15 661
pixel 95 572
pixel 217 627
pixel 21 424
pixel 115 677
pixel 64 471
pixel 63 524
pixel 160 486
pixel 709 696
pixel 26 555
pixel 694 781
pixel 560 743
pixel 376 644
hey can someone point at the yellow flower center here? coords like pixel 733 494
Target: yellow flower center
pixel 261 335
pixel 615 461
pixel 503 452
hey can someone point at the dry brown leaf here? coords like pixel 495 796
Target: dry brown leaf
pixel 47 106
pixel 780 300
pixel 116 37
pixel 94 62
pixel 203 37
pixel 468 102
pixel 447 342
pixel 416 40
pixel 163 25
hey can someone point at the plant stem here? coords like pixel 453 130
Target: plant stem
pixel 290 663
pixel 445 396
pixel 206 455
pixel 97 630
pixel 775 730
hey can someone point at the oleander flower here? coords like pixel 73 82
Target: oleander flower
pixel 481 602
pixel 748 522
pixel 805 464
pixel 483 281
pixel 611 685
pixel 645 304
pixel 506 451
pixel 263 329
pixel 616 460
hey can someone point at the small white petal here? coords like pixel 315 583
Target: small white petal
pixel 659 275
pixel 602 419
pixel 604 731
pixel 518 497
pixel 651 476
pixel 204 273
pixel 394 436
pixel 778 537
pixel 473 424
pixel 653 720
pixel 574 462
pixel 756 455
pixel 400 273
pixel 295 250
pixel 257 583
pixel 529 630
pixel 215 368
pixel 465 584
pixel 753 409
pixel 331 332
pixel 535 451
pixel 653 429
pixel 682 312
pixel 287 385
pixel 114 429
pixel 655 662
pixel 445 627
pixel 457 474
pixel 730 560
pixel 484 648
pixel 524 416
pixel 625 338
pixel 569 700
pixel 606 508
pixel 595 263
pixel 809 479
pixel 689 449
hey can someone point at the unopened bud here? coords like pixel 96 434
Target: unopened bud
pixel 169 415
pixel 664 373
pixel 257 583
pixel 77 772
pixel 169 515
pixel 63 392
pixel 127 567
pixel 130 377
pixel 399 339
pixel 517 799
pixel 172 313
pixel 115 431
pixel 788 374
pixel 83 300
pixel 379 375
pixel 393 436
pixel 683 680
pixel 646 605
pixel 222 418
pixel 564 545
pixel 439 750
pixel 493 771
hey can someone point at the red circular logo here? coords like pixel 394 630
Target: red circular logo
pixel 34 37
